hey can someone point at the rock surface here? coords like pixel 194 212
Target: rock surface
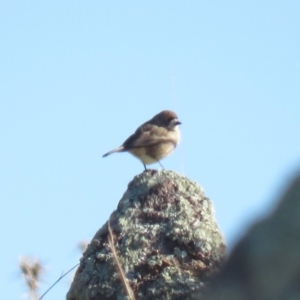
pixel 165 238
pixel 265 264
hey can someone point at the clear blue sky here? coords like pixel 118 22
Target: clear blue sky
pixel 78 77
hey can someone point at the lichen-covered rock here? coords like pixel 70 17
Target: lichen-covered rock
pixel 166 239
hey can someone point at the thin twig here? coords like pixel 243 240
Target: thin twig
pixel 118 265
pixel 61 276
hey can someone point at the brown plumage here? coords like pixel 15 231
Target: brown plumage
pixel 153 140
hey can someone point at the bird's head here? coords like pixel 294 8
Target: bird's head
pixel 167 119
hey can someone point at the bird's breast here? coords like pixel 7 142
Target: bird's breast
pixel 151 154
pixel 141 153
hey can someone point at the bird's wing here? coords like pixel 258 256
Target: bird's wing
pixel 147 135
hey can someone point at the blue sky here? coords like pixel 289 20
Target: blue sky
pixel 77 78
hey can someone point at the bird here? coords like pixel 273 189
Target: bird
pixel 153 140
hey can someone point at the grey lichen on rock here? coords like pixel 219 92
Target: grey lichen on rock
pixel 166 239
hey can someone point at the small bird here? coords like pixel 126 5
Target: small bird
pixel 153 140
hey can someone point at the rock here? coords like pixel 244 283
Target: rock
pixel 164 243
pixel 265 264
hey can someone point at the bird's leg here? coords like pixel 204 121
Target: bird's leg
pixel 160 164
pixel 145 166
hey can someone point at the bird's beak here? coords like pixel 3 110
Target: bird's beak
pixel 174 123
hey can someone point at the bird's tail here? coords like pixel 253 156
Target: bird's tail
pixel 120 149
